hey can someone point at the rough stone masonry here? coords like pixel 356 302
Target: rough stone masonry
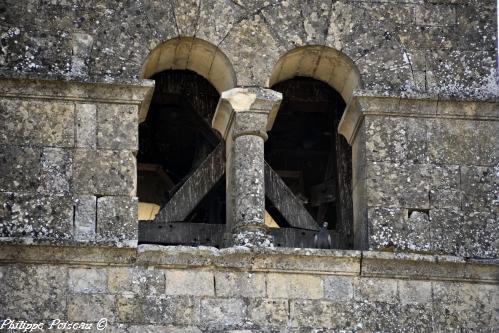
pixel 420 83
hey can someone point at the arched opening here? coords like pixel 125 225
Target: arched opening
pixel 304 146
pixel 175 135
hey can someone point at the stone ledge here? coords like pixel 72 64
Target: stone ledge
pixel 321 262
pixel 139 93
pixel 413 105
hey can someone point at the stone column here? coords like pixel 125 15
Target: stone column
pixel 243 117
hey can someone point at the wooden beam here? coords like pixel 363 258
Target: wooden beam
pixel 297 238
pixel 195 188
pixel 290 207
pixel 196 234
pixel 192 234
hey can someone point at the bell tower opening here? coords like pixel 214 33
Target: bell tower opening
pixel 175 138
pixel 306 151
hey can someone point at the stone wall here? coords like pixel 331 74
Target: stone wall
pixel 425 174
pixel 67 161
pixel 444 46
pixel 179 289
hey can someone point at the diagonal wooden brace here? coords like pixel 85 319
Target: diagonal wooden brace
pixel 286 202
pixel 190 194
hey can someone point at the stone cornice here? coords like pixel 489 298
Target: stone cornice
pixel 312 261
pixel 413 105
pixel 139 93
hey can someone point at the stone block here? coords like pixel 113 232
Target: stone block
pixel 37 123
pixel 385 139
pixel 418 107
pixel 89 280
pixel 20 169
pixel 104 172
pixel 185 282
pixel 376 290
pixel 394 185
pixel 466 108
pixel 417 140
pixel 86 126
pixel 463 142
pixel 178 310
pixel 320 314
pixel 416 318
pixel 138 281
pixel 35 292
pixel 467 234
pixel 480 187
pixel 386 227
pixel 117 218
pixel 376 316
pixel 445 186
pixel 230 284
pixel 263 311
pixel 57 169
pixel 118 126
pixel 85 212
pixel 435 15
pixel 294 286
pixel 189 282
pixel 415 292
pixel 339 288
pixel 36 216
pixel 91 307
pixel 456 306
pixel 223 312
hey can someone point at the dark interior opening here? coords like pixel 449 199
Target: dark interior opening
pixel 307 152
pixel 175 138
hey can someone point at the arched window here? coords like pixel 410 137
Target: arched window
pixel 306 151
pixel 175 138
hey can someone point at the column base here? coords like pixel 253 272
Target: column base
pixel 250 238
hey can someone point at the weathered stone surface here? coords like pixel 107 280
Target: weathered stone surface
pixel 223 312
pixel 118 126
pixel 480 188
pixel 463 142
pixel 86 125
pixel 57 169
pixel 33 292
pixel 230 284
pixel 179 310
pixel 20 168
pixel 91 307
pixel 415 292
pixel 179 282
pixel 394 227
pixel 294 286
pixel 38 123
pixel 376 290
pixel 457 304
pixel 467 234
pixel 103 172
pixel 339 288
pixel 85 212
pixel 162 329
pixel 36 216
pixel 394 185
pixel 264 311
pixel 117 218
pixel 87 280
pixel 137 281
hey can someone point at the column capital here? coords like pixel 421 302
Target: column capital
pixel 261 102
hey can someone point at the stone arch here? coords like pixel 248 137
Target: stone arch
pixel 192 54
pixel 322 63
